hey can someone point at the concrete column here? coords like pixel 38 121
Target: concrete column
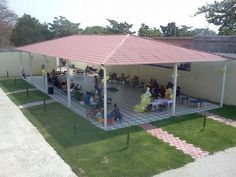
pixel 21 65
pixel 105 96
pixel 223 85
pixel 45 74
pixel 175 70
pixel 68 83
pixel 31 68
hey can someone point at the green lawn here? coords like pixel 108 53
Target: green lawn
pixel 96 153
pixel 9 85
pixel 22 98
pixel 215 137
pixel 228 111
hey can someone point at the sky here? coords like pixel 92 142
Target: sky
pixel 95 12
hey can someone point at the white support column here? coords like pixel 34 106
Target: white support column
pixel 223 85
pixel 45 74
pixel 68 83
pixel 105 96
pixel 21 65
pixel 31 68
pixel 58 61
pixel 175 73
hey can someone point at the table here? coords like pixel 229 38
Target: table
pixel 155 103
pixel 197 102
pixel 183 98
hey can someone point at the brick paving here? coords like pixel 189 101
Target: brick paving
pixel 221 119
pixel 176 142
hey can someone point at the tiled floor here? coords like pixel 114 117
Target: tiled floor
pixel 125 98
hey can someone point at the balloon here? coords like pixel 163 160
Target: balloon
pixel 145 101
pixel 107 78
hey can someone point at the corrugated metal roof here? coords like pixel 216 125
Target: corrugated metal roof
pixel 117 50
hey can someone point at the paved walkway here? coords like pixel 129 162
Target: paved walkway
pixel 23 150
pixel 36 103
pixel 221 164
pixel 187 148
pixel 221 119
pixel 21 91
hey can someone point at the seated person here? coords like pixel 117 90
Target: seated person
pixel 100 73
pixel 53 73
pixel 87 98
pixel 23 74
pixel 87 69
pixel 113 77
pixel 77 87
pixel 154 92
pixel 155 84
pixel 121 78
pixel 162 91
pixel 135 81
pixel 169 93
pixel 150 84
pixel 178 91
pixel 64 87
pixel 92 100
pixel 116 113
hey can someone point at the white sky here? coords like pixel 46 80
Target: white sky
pixel 95 12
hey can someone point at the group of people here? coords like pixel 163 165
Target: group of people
pixel 162 91
pixel 118 78
pixel 123 79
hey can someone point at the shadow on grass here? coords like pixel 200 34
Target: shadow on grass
pixel 176 120
pixel 13 84
pixel 23 98
pixel 60 123
pixel 227 111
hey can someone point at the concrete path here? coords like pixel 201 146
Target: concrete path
pixel 221 164
pixel 23 150
pixel 190 149
pixel 36 103
pixel 21 91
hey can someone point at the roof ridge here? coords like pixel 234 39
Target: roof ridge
pixel 117 47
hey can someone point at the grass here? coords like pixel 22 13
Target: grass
pixel 9 85
pixel 93 152
pixel 22 98
pixel 215 137
pixel 228 111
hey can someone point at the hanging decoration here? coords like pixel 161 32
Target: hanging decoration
pixel 145 101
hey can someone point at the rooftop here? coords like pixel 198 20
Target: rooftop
pixel 117 50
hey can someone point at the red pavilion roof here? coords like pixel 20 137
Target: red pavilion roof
pixel 117 50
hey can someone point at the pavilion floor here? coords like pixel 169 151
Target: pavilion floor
pixel 126 98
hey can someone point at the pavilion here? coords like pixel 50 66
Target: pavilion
pixel 120 50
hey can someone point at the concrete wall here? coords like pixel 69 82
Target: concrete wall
pixel 82 65
pixel 218 44
pixel 10 61
pixel 203 81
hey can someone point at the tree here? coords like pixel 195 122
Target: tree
pixel 62 27
pixel 95 30
pixel 7 20
pixel 119 28
pixel 145 31
pixel 185 31
pixel 204 32
pixel 170 30
pixel 27 30
pixel 222 14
